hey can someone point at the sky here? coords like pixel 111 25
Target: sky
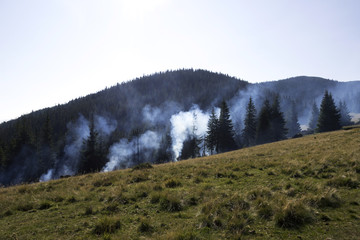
pixel 53 51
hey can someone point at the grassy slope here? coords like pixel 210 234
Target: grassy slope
pixel 306 188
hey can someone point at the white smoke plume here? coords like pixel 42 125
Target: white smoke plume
pixel 182 125
pixel 121 153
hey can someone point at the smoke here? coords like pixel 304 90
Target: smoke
pixel 47 176
pixel 123 154
pixel 77 132
pixel 183 124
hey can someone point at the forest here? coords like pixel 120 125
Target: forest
pixel 168 116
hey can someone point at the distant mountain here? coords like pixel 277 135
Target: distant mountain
pixel 48 142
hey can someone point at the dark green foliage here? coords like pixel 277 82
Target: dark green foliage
pixel 345 119
pixel 249 131
pixel 314 117
pixel 226 140
pixel 212 136
pixel 292 123
pixel 164 153
pixel 44 205
pixel 329 117
pixel 190 148
pixel 263 131
pixel 277 122
pixel 93 156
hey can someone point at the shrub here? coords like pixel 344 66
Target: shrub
pixel 294 215
pixel 186 236
pixel 106 225
pixel 71 199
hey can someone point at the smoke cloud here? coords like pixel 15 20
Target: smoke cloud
pixel 123 153
pixel 182 125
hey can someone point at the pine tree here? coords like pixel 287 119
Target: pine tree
pixel 249 131
pixel 345 119
pixel 277 122
pixel 46 153
pixel 226 140
pixel 263 133
pixel 164 153
pixel 329 117
pixel 292 123
pixel 314 117
pixel 212 133
pixel 92 158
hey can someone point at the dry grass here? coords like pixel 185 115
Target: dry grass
pixel 304 188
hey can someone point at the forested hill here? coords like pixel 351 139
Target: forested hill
pixel 147 120
pixel 124 102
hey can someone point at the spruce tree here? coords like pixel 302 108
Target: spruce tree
pixel 226 140
pixel 91 159
pixel 249 131
pixel 277 122
pixel 211 139
pixel 263 133
pixel 329 117
pixel 292 123
pixel 314 117
pixel 345 119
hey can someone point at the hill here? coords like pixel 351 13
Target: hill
pixel 47 143
pixel 305 188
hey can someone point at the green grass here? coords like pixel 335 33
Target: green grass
pixel 305 188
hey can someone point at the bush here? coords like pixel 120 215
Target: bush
pixel 294 215
pixel 106 225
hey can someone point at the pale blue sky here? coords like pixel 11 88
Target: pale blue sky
pixel 55 51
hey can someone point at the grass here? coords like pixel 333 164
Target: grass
pixel 304 188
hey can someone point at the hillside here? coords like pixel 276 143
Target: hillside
pixel 46 144
pixel 305 188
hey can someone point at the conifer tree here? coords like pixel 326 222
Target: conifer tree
pixel 292 123
pixel 226 140
pixel 345 119
pixel 212 133
pixel 314 117
pixel 249 131
pixel 329 117
pixel 263 133
pixel 277 122
pixel 91 159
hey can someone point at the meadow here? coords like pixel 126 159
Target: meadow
pixel 303 188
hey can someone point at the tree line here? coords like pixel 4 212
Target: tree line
pixel 268 126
